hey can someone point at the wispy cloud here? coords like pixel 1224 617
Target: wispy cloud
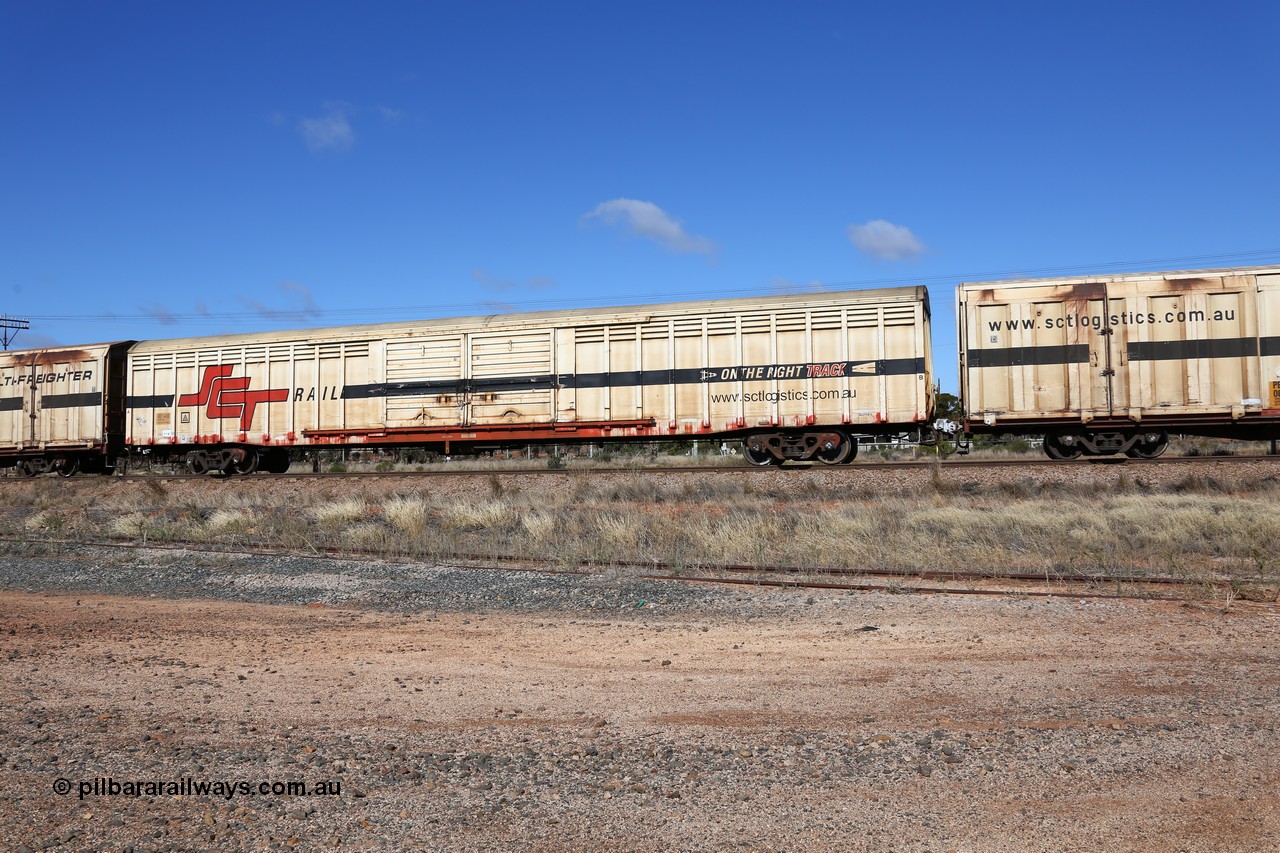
pixel 33 340
pixel 160 314
pixel 485 279
pixel 785 285
pixel 303 309
pixel 328 132
pixel 333 130
pixel 882 239
pixel 645 219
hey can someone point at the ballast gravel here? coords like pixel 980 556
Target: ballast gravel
pixel 450 708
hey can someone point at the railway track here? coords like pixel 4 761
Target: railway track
pixel 963 582
pixel 952 465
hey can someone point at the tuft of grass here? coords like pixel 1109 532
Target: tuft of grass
pixel 478 515
pixel 368 536
pixel 228 521
pixel 541 526
pixel 340 512
pixel 45 521
pixel 133 525
pixel 408 515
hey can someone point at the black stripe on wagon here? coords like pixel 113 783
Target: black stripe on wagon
pixel 1179 350
pixel 1018 356
pixel 1269 346
pixel 158 401
pixel 10 404
pixel 632 378
pixel 71 401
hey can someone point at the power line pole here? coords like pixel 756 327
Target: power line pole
pixel 10 326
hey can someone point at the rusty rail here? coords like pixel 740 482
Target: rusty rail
pixel 1066 584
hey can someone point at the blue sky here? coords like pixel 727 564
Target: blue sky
pixel 176 169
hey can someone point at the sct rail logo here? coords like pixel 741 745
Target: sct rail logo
pixel 227 397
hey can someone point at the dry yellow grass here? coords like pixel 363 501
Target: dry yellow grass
pixel 340 512
pixel 478 515
pixel 408 515
pixel 1195 525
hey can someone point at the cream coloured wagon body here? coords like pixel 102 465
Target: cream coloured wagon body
pixel 1123 356
pixel 59 406
pixel 858 361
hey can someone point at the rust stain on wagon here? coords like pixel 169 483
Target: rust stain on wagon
pixel 48 358
pixel 1184 285
pixel 1086 290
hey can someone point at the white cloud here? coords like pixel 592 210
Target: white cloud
pixel 886 241
pixel 646 219
pixel 329 132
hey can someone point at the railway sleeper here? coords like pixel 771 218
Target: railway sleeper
pixel 832 447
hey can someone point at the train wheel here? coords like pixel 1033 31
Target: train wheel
pixel 25 468
pixel 1055 449
pixel 197 462
pixel 1149 449
pixel 66 466
pixel 246 463
pixel 836 449
pixel 756 453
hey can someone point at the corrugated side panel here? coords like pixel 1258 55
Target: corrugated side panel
pixel 862 363
pixel 1130 348
pixel 1034 350
pixel 1269 339
pixel 424 378
pixel 263 392
pixel 512 377
pixel 1188 346
pixel 64 389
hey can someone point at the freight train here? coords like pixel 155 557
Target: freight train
pixel 1097 365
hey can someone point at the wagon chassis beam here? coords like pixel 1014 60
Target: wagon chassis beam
pixel 488 433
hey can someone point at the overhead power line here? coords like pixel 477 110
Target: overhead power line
pixel 313 315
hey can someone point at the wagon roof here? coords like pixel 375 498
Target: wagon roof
pixel 1129 276
pixel 577 316
pixel 91 349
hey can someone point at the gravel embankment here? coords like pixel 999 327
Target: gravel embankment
pixel 480 710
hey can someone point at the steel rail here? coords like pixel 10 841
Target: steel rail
pixel 675 572
pixel 953 465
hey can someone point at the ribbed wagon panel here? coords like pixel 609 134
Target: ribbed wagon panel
pixel 698 368
pixel 1181 349
pixel 53 398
